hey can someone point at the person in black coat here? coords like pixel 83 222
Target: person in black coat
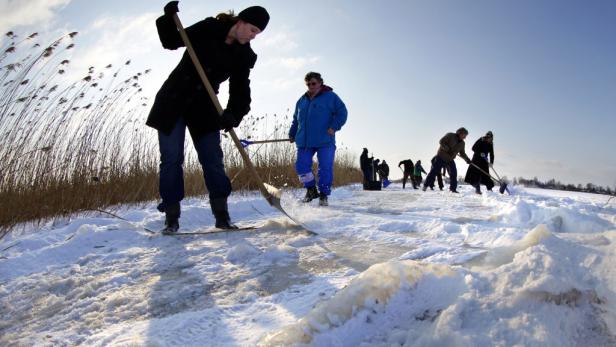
pixel 384 171
pixel 365 163
pixel 222 45
pixel 407 171
pixel 483 156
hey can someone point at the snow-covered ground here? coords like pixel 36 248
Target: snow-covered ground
pixel 390 268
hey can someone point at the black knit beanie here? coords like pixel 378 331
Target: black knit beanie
pixel 255 15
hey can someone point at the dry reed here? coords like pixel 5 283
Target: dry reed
pixel 71 147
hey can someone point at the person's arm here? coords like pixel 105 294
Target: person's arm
pixel 424 171
pixel 239 89
pixel 170 36
pixel 464 156
pixel 339 114
pixel 492 154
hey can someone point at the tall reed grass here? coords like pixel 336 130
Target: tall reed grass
pixel 75 146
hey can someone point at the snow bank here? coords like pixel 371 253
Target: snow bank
pixel 558 216
pixel 372 289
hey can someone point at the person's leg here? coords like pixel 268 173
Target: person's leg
pixel 487 180
pixel 453 176
pixel 438 164
pixel 216 180
pixel 404 179
pixel 303 167
pixel 325 156
pixel 171 177
pixel 439 177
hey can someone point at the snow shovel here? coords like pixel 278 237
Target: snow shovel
pixel 500 179
pixel 246 143
pixel 270 193
pixel 503 185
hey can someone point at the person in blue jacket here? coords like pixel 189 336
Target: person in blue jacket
pixel 319 114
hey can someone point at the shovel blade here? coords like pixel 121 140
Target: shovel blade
pixel 503 188
pixel 274 198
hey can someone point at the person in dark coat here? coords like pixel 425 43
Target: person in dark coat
pixel 365 163
pixel 222 45
pixel 450 146
pixel 483 156
pixel 417 179
pixel 407 171
pixel 384 171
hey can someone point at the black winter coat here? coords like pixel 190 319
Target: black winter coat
pixel 183 93
pixel 408 166
pixel 365 162
pixel 384 170
pixel 485 148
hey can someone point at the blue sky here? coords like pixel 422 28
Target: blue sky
pixel 540 74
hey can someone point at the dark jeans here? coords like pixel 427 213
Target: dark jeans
pixel 171 183
pixel 404 178
pixel 437 166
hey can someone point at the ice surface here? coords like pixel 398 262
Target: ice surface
pixel 389 268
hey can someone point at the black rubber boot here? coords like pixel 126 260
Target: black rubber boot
pixel 172 218
pixel 478 189
pixel 323 199
pixel 311 194
pixel 221 213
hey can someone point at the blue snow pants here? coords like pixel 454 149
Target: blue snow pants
pixel 325 158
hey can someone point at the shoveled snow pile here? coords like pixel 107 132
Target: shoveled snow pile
pixel 390 268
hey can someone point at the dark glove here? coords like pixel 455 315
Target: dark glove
pixel 468 161
pixel 171 8
pixel 228 121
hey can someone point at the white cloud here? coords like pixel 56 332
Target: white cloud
pixel 281 40
pixel 114 40
pixel 21 13
pixel 291 63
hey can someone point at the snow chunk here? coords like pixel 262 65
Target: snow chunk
pixel 242 252
pixel 370 290
pixel 280 254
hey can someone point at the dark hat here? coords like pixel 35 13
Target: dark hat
pixel 489 134
pixel 255 15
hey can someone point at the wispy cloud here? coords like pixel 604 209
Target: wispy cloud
pixel 23 13
pixel 114 40
pixel 281 40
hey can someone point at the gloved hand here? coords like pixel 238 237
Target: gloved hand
pixel 227 121
pixel 468 161
pixel 171 8
pixel 291 140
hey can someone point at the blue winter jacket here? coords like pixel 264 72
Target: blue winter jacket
pixel 313 117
